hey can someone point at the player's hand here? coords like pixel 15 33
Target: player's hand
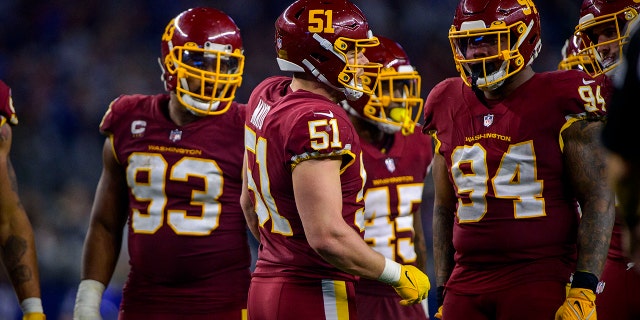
pixel 438 314
pixel 413 285
pixel 579 305
pixel 34 316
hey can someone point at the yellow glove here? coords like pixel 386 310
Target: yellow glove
pixel 579 305
pixel 438 314
pixel 34 316
pixel 408 281
pixel 413 285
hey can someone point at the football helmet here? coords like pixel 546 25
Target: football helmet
pixel 575 57
pixel 619 16
pixel 396 103
pixel 323 38
pixel 202 60
pixel 513 25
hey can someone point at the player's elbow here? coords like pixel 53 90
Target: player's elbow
pixel 326 243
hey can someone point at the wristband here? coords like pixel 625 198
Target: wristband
pixel 584 280
pixel 31 305
pixel 89 293
pixel 391 273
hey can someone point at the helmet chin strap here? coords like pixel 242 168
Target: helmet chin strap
pixel 353 94
pixel 199 105
pixel 492 76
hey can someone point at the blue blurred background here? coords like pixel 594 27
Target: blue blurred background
pixel 66 60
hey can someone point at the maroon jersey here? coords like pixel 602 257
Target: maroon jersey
pixel 516 217
pixel 187 235
pixel 393 192
pixel 282 129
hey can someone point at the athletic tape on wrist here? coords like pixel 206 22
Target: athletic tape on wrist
pixel 391 272
pixel 31 305
pixel 90 293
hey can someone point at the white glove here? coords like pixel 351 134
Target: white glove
pixel 88 300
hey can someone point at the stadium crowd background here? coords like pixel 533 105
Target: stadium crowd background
pixel 66 60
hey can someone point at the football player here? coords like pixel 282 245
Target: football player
pixel 607 25
pixel 396 168
pixel 516 151
pixel 172 173
pixel 623 160
pixel 17 244
pixel 303 195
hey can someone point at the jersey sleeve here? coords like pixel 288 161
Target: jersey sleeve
pixel 321 134
pixel 438 107
pixel 108 120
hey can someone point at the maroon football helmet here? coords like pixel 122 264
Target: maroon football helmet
pixel 202 44
pixel 615 18
pixel 320 37
pixel 516 21
pixel 396 103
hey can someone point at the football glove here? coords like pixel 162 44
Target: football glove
pixel 34 316
pixel 579 305
pixel 413 285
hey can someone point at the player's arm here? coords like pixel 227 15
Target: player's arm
pixel 17 244
pixel 248 208
pixel 585 161
pixel 104 239
pixel 318 195
pixel 444 208
pixel 419 244
pixel 423 229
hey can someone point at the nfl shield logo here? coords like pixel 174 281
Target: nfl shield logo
pixel 488 120
pixel 391 165
pixel 175 135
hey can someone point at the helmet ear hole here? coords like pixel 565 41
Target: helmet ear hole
pixel 344 77
pixel 340 44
